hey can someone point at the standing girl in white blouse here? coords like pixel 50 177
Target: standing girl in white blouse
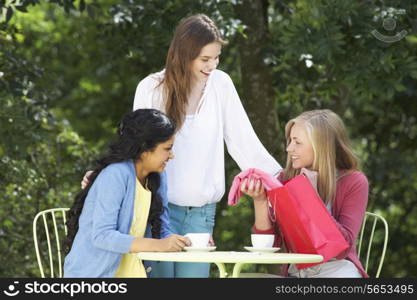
pixel 206 108
pixel 208 112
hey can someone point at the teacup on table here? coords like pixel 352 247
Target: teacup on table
pixel 199 240
pixel 262 240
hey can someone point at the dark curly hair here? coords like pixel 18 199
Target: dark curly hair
pixel 139 131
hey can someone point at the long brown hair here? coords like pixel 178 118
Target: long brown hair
pixel 331 146
pixel 191 35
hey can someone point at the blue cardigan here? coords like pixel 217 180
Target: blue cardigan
pixel 104 224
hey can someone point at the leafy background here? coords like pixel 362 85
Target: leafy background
pixel 69 69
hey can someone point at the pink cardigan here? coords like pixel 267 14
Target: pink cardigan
pixel 348 210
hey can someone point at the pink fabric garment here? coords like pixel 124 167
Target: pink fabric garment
pixel 311 176
pixel 268 181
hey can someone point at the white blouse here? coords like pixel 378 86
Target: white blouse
pixel 196 175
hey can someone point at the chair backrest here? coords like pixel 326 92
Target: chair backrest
pixel 53 222
pixel 369 232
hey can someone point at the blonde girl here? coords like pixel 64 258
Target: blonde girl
pixel 318 144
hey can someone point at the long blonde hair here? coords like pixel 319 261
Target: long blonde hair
pixel 191 35
pixel 331 146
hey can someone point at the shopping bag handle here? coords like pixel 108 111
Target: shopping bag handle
pixel 271 212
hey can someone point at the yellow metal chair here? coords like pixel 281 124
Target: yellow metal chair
pixel 53 222
pixel 374 218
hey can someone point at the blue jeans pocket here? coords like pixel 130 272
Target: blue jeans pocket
pixel 210 217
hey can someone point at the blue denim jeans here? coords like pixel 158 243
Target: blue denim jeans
pixel 186 219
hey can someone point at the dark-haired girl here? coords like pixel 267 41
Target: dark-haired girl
pixel 121 211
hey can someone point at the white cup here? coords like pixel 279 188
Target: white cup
pixel 199 240
pixel 262 240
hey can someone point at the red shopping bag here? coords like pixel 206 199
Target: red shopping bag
pixel 304 221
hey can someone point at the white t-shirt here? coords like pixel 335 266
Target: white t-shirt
pixel 196 175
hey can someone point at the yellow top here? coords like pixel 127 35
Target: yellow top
pixel 131 266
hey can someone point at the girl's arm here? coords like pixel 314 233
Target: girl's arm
pixel 255 189
pixel 108 192
pixel 353 207
pixel 263 223
pixel 168 242
pixel 172 243
pixel 241 140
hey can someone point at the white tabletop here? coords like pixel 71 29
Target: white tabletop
pixel 239 258
pixel 231 257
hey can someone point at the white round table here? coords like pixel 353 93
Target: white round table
pixel 238 258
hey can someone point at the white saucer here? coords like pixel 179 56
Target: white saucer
pixel 265 250
pixel 198 249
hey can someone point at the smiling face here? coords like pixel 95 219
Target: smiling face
pixel 156 160
pixel 300 150
pixel 206 61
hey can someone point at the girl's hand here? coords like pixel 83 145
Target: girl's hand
pixel 254 188
pixel 174 243
pixel 85 180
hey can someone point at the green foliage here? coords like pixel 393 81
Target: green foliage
pixel 372 85
pixel 69 69
pixel 42 158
